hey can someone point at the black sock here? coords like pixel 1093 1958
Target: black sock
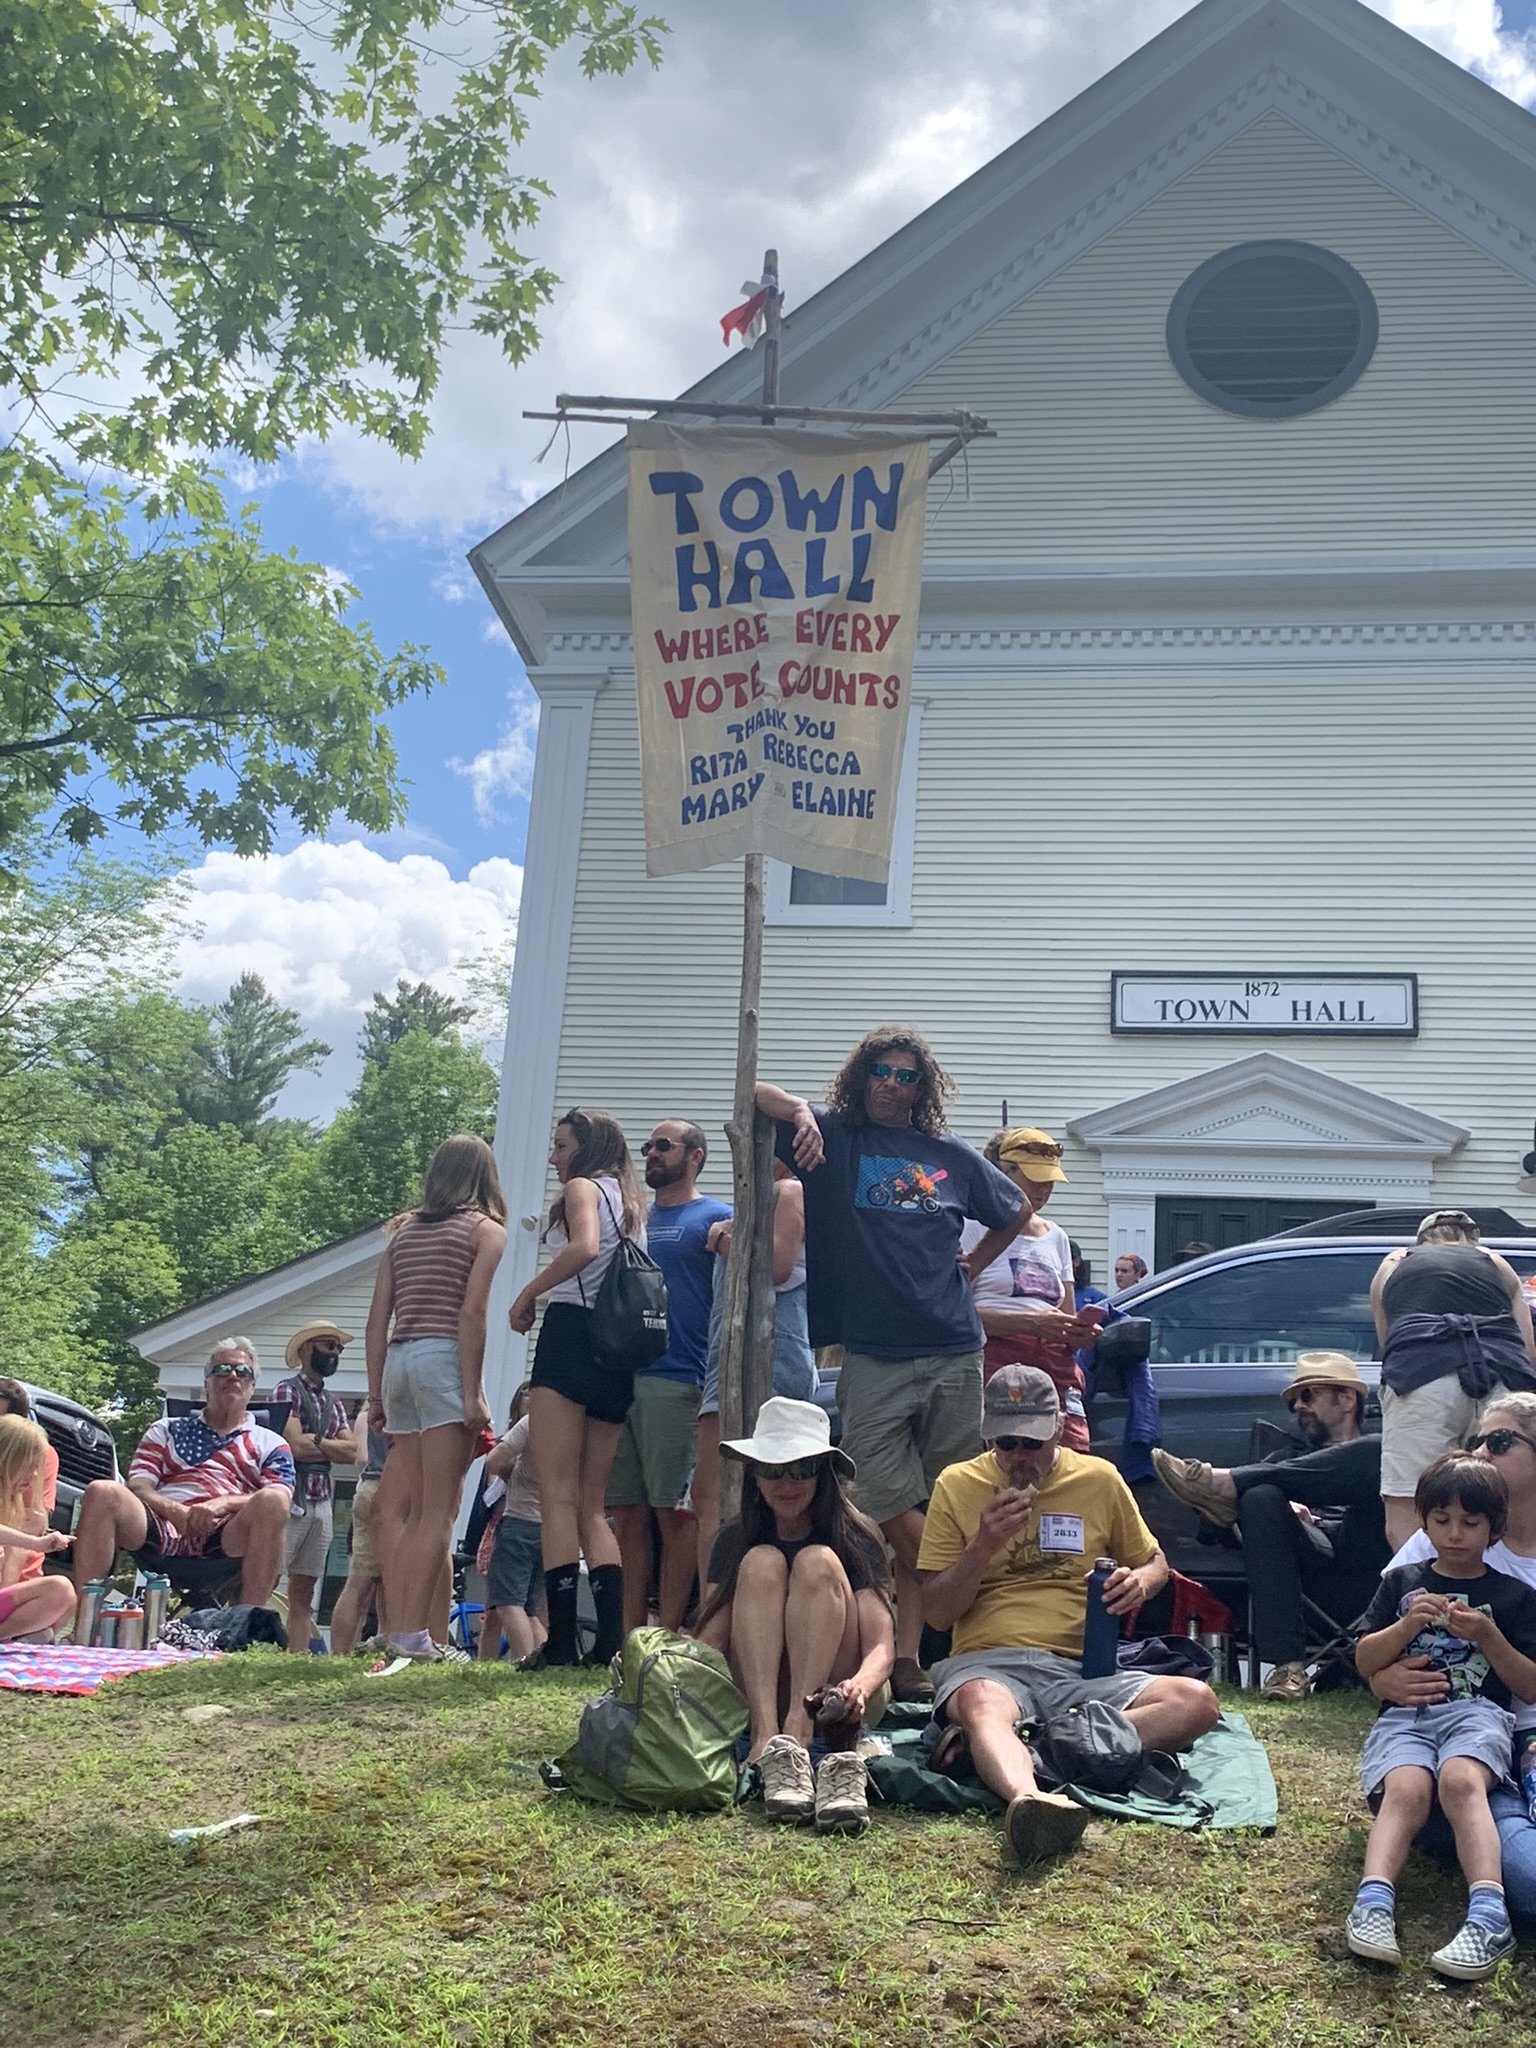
pixel 560 1592
pixel 607 1583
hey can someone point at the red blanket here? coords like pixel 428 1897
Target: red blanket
pixel 61 1667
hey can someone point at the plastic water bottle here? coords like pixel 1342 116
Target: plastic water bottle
pixel 1101 1629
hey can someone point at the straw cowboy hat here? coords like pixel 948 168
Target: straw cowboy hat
pixel 1324 1369
pixel 293 1353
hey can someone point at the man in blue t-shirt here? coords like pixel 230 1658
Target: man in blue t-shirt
pixel 887 1191
pixel 656 1451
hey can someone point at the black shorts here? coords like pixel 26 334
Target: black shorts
pixel 563 1362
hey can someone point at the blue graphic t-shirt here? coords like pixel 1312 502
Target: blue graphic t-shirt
pixel 675 1239
pixel 883 1216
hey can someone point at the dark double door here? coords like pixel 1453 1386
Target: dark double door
pixel 1218 1223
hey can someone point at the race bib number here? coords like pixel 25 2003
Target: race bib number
pixel 1062 1534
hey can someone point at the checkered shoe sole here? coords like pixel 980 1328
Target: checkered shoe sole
pixel 1476 1952
pixel 1372 1933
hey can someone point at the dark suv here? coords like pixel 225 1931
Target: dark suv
pixel 83 1442
pixel 1225 1332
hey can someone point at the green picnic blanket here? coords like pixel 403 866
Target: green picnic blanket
pixel 1227 1780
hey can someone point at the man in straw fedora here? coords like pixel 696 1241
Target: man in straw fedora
pixel 1310 1525
pixel 319 1435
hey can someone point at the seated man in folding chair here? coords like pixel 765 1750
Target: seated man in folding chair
pixel 1312 1526
pixel 200 1486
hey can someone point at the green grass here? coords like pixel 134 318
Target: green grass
pixel 413 1883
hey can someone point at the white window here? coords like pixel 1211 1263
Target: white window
pixel 805 896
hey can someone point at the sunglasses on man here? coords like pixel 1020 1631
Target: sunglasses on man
pixel 1500 1441
pixel 231 1372
pixel 882 1070
pixel 661 1145
pixel 1019 1443
pixel 797 1468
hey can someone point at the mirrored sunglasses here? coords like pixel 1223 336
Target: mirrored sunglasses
pixel 797 1468
pixel 882 1070
pixel 231 1372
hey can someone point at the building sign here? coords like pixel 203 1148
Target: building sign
pixel 775 577
pixel 1322 1005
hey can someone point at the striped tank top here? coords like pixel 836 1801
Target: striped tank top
pixel 430 1263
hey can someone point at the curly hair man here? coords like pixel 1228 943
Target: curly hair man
pixel 888 1190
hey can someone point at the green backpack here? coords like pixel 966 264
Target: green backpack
pixel 663 1738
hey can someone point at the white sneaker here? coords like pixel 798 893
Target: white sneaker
pixel 842 1803
pixel 789 1791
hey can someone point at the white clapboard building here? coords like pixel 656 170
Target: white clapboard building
pixel 1215 849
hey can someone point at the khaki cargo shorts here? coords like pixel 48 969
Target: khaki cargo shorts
pixel 904 1420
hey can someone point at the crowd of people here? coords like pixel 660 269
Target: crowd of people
pixel 962 1500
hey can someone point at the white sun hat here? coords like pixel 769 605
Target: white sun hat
pixel 788 1430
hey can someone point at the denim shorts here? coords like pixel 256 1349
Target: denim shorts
pixel 516 1577
pixel 794 1366
pixel 1428 1736
pixel 423 1388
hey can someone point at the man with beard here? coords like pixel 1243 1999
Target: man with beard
pixel 320 1436
pixel 1312 1524
pixel 656 1452
pixel 888 1191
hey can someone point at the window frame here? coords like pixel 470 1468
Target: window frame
pixel 896 911
pixel 1272 409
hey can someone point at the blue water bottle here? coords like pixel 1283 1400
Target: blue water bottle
pixel 1101 1629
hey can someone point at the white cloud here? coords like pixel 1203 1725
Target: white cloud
pixel 328 924
pixel 818 129
pixel 505 768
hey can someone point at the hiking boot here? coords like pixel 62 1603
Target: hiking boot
pixel 1372 1932
pixel 910 1682
pixel 1286 1682
pixel 842 1805
pixel 1043 1824
pixel 1190 1480
pixel 1476 1952
pixel 789 1791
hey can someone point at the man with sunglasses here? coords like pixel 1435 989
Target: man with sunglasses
pixel 888 1191
pixel 1010 1540
pixel 214 1484
pixel 654 1461
pixel 1310 1524
pixel 319 1434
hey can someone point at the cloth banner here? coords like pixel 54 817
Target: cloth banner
pixel 775 580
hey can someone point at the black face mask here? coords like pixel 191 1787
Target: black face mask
pixel 324 1362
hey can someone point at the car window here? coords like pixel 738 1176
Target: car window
pixel 1264 1311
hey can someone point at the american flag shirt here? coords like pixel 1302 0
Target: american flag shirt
pixel 185 1460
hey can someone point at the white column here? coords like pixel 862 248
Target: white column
pixel 536 1007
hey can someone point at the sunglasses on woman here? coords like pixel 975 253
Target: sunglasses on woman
pixel 1033 1151
pixel 1500 1441
pixel 882 1070
pixel 797 1468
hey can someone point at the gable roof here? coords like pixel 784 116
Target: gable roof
pixel 206 1320
pixel 1454 146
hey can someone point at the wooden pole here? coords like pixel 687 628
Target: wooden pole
pixel 746 1343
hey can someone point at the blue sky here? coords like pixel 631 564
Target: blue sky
pixel 660 214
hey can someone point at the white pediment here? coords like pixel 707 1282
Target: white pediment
pixel 1460 151
pixel 1267 1103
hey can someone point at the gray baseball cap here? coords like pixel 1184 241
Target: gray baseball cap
pixel 1020 1400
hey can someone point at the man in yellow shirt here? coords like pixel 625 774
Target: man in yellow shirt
pixel 1008 1544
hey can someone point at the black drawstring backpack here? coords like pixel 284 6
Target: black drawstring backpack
pixel 629 1311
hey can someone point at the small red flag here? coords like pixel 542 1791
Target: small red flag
pixel 742 319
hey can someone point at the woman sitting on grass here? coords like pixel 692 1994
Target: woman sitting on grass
pixel 801 1609
pixel 31 1606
